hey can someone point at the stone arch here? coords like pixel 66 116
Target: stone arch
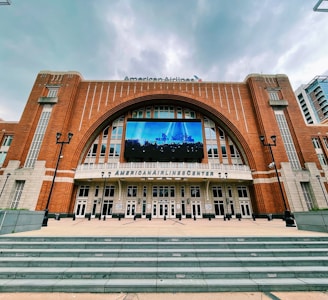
pixel 170 99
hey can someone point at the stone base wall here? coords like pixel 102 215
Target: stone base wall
pixel 312 220
pixel 12 221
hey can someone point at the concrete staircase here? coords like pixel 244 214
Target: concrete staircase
pixel 163 264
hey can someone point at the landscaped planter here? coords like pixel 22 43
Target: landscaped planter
pixel 312 220
pixel 12 221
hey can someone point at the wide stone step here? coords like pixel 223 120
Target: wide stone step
pixel 162 245
pixel 162 261
pixel 162 238
pixel 163 272
pixel 161 252
pixel 165 264
pixel 162 285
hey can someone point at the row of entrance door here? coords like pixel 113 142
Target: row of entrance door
pixel 163 208
pixel 159 209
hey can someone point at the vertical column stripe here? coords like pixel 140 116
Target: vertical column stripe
pixel 226 93
pixel 234 103
pixel 107 94
pixel 101 90
pixel 92 101
pixel 242 109
pixel 84 106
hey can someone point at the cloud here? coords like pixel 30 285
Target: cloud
pixel 140 49
pixel 304 56
pixel 217 40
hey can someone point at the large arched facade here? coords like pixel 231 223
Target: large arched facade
pixel 112 180
pixel 209 162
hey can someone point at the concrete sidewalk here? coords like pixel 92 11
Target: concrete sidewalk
pixel 170 227
pixel 168 296
pixel 174 227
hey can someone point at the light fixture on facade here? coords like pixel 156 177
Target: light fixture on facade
pixel 287 216
pixel 62 143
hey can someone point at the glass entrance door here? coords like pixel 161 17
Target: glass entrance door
pixel 130 209
pixel 163 208
pixel 172 209
pixel 196 209
pixel 80 208
pixel 245 209
pixel 107 209
pixel 219 208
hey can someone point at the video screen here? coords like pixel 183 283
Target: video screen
pixel 163 140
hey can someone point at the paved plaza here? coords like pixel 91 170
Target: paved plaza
pixel 174 227
pixel 169 227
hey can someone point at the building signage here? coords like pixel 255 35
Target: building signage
pixel 160 173
pixel 163 79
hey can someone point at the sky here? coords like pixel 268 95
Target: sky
pixel 217 40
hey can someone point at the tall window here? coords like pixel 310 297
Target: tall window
pixel 3 155
pixel 307 195
pixel 179 112
pixel 93 150
pixel 116 138
pixel 117 132
pixel 320 153
pixel 212 151
pixel 109 191
pixel 182 191
pixel 210 133
pixel 97 191
pixel 103 149
pixel 287 140
pixel 7 140
pixel 217 192
pixel 114 150
pixel 38 137
pixel 163 191
pixel 84 191
pixel 273 95
pixel 136 114
pixel 164 111
pixel 18 193
pixel 325 140
pixel 211 140
pixel 242 192
pixel 316 143
pixel 172 191
pixel 322 159
pixel 195 191
pixel 52 91
pixel 105 133
pixel 148 112
pixel 132 191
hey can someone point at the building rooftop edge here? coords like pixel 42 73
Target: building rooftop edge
pixel 61 72
pixel 323 78
pixel 264 75
pixel 162 81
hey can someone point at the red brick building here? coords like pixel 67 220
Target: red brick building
pixel 162 147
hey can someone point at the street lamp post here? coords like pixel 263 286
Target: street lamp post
pixel 62 143
pixel 324 194
pixel 102 196
pixel 288 219
pixel 4 185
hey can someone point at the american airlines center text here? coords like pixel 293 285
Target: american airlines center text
pixel 163 173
